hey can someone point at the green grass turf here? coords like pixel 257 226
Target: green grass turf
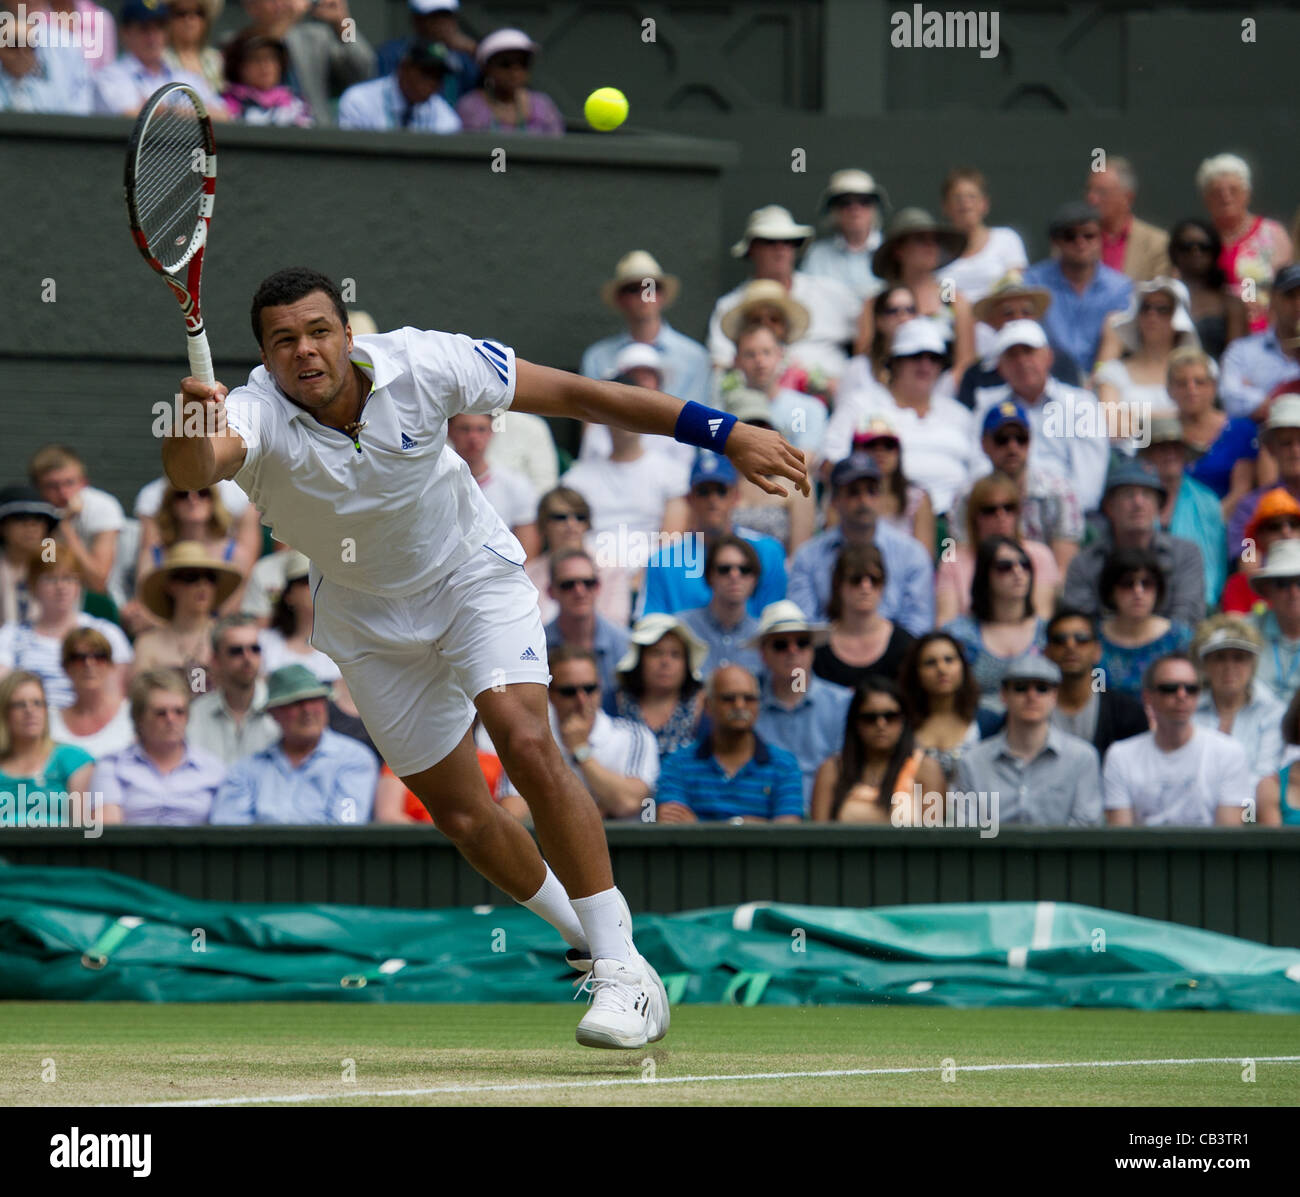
pixel 121 1053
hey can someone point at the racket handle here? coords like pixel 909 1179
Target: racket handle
pixel 201 357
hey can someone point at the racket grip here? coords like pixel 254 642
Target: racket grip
pixel 201 357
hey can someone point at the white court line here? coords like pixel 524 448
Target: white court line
pixel 543 1086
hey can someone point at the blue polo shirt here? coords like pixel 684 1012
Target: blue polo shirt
pixel 1074 321
pixel 811 731
pixel 767 786
pixel 669 588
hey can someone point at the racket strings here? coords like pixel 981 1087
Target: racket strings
pixel 169 181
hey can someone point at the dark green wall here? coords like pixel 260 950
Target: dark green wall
pixel 1233 882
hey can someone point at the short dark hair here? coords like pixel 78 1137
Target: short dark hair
pixel 1061 614
pixel 289 286
pixel 743 547
pixel 565 653
pixel 1150 672
pixel 1121 563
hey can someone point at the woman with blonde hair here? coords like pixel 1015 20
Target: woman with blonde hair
pixel 992 509
pixel 29 757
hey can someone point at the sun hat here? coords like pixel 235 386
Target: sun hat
pixel 1283 562
pixel 765 292
pixel 186 554
pixel 502 41
pixel 785 616
pixel 1125 324
pixel 650 629
pixel 852 182
pixel 770 223
pixel 636 267
pixel 26 500
pixel 1012 285
pixel 293 683
pixel 745 403
pixel 884 262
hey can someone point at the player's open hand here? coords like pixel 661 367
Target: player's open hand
pixel 760 454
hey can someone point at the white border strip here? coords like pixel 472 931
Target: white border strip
pixel 545 1086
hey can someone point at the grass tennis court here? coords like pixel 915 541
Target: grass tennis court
pixel 125 1053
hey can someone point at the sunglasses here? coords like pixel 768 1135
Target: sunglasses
pixel 738 697
pixel 1191 247
pixel 782 644
pixel 850 201
pixel 1169 688
pixel 1160 309
pixel 630 289
pixel 1024 687
pixel 80 658
pixel 563 517
pixel 574 691
pixel 1283 523
pixel 572 583
pixel 877 580
pixel 888 443
pixel 193 494
pixel 188 577
pixel 1279 583
pixel 710 490
pixel 244 650
pixel 515 61
pixel 1003 566
pixel 936 358
pixel 899 310
pixel 1138 583
pixel 726 570
pixel 1060 638
pixel 1077 235
pixel 1003 439
pixel 1000 509
pixel 875 718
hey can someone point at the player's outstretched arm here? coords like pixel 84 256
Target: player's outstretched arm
pixel 205 450
pixel 758 453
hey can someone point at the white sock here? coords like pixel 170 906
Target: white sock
pixel 602 920
pixel 551 903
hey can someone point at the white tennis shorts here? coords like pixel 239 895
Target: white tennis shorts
pixel 414 664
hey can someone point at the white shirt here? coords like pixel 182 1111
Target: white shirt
pixel 123 86
pixel 116 734
pixel 833 312
pixel 631 494
pixel 150 498
pixel 277 653
pixel 100 512
pixel 379 104
pixel 1180 788
pixel 940 453
pixel 525 444
pixel 511 495
pixel 404 511
pixel 60 84
pixel 22 648
pixel 265 585
pixel 597 445
pixel 620 745
pixel 974 276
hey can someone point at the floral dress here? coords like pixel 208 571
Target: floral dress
pixel 1124 666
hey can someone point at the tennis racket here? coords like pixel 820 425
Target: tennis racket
pixel 171 181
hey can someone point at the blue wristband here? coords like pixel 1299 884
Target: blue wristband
pixel 704 427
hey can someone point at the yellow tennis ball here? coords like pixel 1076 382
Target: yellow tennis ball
pixel 605 109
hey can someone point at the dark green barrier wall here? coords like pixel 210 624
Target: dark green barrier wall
pixel 1237 883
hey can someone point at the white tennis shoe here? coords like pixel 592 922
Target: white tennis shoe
pixel 629 1005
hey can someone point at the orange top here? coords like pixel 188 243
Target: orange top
pixel 492 772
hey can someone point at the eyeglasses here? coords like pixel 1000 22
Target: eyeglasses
pixel 1024 687
pixel 743 570
pixel 1000 509
pixel 1003 439
pixel 782 644
pixel 1060 638
pixel 27 704
pixel 899 310
pixel 709 490
pixel 1191 247
pixel 1159 309
pixel 572 583
pixel 243 650
pixel 188 577
pixel 1073 235
pixel 574 691
pixel 875 718
pixel 1170 688
pixel 81 658
pixel 1004 566
pixel 563 517
pixel 1140 582
pixel 877 580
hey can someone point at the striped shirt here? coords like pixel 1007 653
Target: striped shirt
pixel 22 648
pixel 767 786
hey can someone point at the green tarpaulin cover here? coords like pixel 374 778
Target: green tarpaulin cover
pixel 86 934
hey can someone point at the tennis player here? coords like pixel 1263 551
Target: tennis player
pixel 420 592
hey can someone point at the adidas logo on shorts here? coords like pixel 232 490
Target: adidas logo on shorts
pixel 407 443
pixel 528 655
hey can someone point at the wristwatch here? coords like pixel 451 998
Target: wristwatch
pixel 582 754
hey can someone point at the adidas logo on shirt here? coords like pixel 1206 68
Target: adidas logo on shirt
pixel 407 443
pixel 528 655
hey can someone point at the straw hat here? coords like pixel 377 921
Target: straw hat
pixel 636 267
pixel 772 223
pixel 650 629
pixel 786 616
pixel 765 292
pixel 884 262
pixel 1012 285
pixel 186 554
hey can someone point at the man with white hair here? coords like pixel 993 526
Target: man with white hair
pixel 771 242
pixel 1128 244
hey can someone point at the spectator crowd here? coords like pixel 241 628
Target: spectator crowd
pixel 1052 554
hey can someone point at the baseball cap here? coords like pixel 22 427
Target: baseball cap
pixel 856 465
pixel 1032 669
pixel 921 335
pixel 747 404
pixel 1222 638
pixel 1018 332
pixel 425 7
pixel 1068 216
pixel 637 356
pixel 1285 413
pixel 1274 504
pixel 1129 472
pixel 712 467
pixel 1288 278
pixel 1006 412
pixel 142 12
pixel 427 56
pixel 501 41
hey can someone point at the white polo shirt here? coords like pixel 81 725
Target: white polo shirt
pixel 402 512
pixel 620 745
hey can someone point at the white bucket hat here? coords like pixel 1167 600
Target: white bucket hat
pixel 1184 330
pixel 650 629
pixel 772 223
